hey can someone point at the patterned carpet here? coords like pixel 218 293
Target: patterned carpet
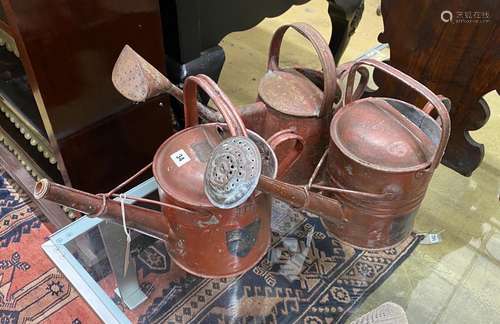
pixel 32 290
pixel 307 276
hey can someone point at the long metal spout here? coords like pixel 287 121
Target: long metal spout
pixel 229 181
pixel 143 219
pixel 137 80
pixel 298 197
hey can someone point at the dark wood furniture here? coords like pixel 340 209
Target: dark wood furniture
pixel 54 214
pixel 453 47
pixel 192 30
pixel 58 103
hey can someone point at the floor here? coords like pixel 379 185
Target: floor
pixel 454 281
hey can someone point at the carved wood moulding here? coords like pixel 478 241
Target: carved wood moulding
pixel 453 47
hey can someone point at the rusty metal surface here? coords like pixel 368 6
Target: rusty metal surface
pixel 238 237
pixel 325 58
pixel 181 184
pixel 365 175
pixel 377 167
pixel 179 167
pixel 135 78
pixel 314 132
pixel 291 93
pixel 289 100
pixel 383 146
pixel 295 149
pixel 432 99
pixel 143 219
pixel 374 133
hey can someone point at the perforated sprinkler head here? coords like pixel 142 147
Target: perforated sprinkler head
pixel 232 172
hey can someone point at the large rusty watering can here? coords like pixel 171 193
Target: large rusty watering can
pixel 380 160
pixel 383 145
pixel 287 98
pixel 202 239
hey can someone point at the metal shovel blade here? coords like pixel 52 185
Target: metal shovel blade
pixel 136 79
pixel 232 172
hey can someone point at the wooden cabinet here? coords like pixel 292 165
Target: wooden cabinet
pixel 59 106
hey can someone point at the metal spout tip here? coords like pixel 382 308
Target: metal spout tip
pixel 41 188
pixel 128 77
pixel 136 79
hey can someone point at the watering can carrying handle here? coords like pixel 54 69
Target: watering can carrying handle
pixel 221 101
pixel 293 155
pixel 324 54
pixel 364 74
pixel 428 108
pixel 432 99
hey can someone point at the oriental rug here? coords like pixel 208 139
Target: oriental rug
pixel 307 277
pixel 32 290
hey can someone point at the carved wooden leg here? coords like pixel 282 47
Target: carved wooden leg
pixel 345 16
pixel 463 153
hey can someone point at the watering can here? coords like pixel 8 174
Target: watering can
pixel 202 239
pixel 298 99
pixel 379 162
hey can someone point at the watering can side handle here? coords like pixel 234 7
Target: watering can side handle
pixel 431 97
pixel 322 50
pixel 222 103
pixel 293 155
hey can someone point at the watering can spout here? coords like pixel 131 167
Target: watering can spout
pixel 142 219
pixel 301 197
pixel 233 172
pixel 138 80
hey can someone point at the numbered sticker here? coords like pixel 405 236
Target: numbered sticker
pixel 180 158
pixel 431 238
